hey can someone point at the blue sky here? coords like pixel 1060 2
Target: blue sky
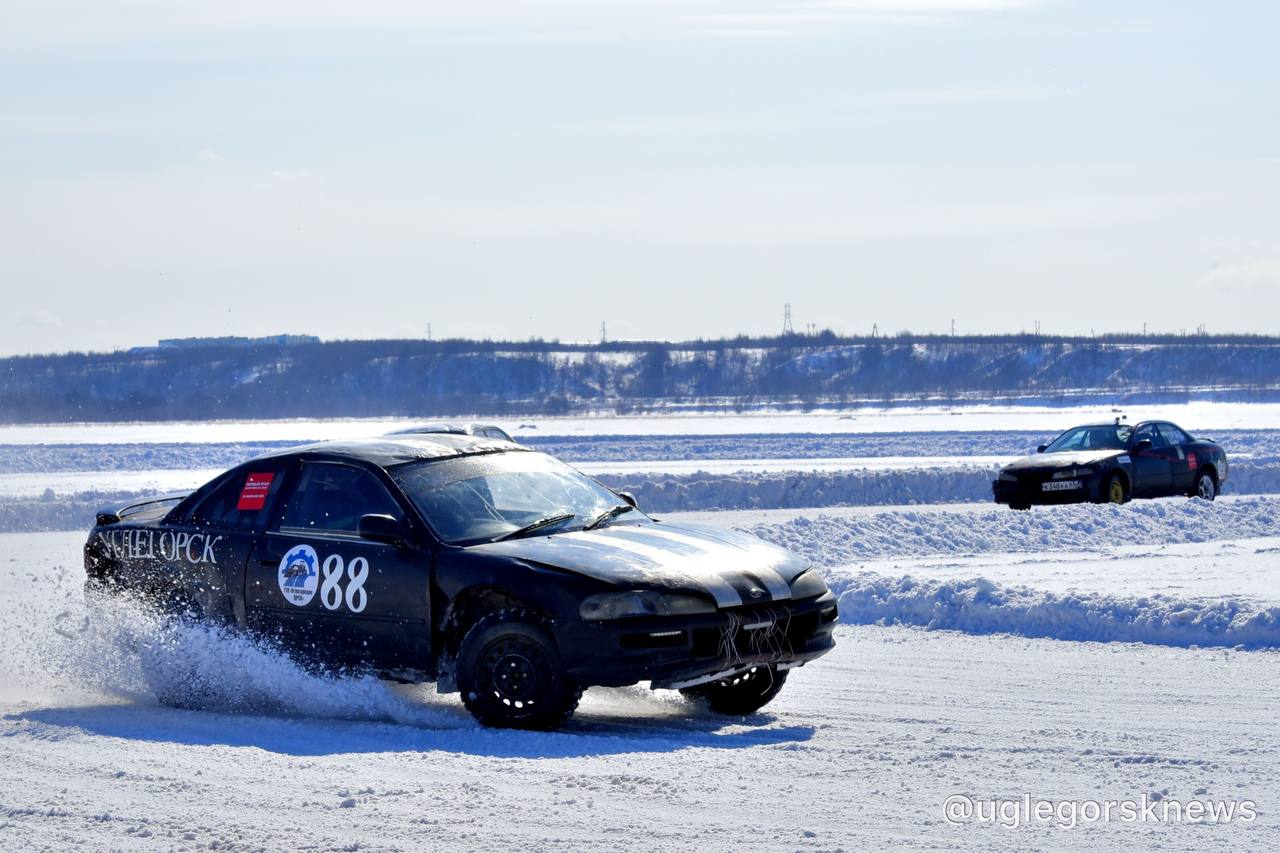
pixel 677 169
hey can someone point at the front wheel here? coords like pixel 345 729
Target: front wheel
pixel 510 675
pixel 744 693
pixel 1206 487
pixel 1117 492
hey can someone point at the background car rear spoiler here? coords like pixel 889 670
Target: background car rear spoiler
pixel 111 516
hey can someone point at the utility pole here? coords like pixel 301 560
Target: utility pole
pixel 428 331
pixel 787 328
pixel 604 332
pixel 953 327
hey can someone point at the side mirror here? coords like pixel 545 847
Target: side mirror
pixel 1141 445
pixel 382 528
pixel 629 498
pixel 1042 448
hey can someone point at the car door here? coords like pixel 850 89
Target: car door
pixel 1183 461
pixel 329 595
pixel 232 517
pixel 1151 468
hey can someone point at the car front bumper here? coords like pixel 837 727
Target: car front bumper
pixel 679 651
pixel 1030 490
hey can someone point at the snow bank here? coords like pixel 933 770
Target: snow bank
pixel 832 541
pixel 977 606
pixel 60 512
pixel 796 489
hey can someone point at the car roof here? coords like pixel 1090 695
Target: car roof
pixel 1125 423
pixel 453 429
pixel 388 450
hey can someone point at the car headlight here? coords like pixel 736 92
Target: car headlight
pixel 1071 473
pixel 808 585
pixel 619 605
pixel 1006 477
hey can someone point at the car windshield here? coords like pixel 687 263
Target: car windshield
pixel 473 499
pixel 1109 437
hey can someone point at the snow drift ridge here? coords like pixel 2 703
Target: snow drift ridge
pixel 978 606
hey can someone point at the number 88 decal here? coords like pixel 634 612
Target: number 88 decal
pixel 331 592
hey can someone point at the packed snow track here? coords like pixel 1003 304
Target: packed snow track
pixel 859 752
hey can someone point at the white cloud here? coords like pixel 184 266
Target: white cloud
pixel 1245 276
pixel 37 318
pixel 64 23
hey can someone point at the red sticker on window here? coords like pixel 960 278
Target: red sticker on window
pixel 254 493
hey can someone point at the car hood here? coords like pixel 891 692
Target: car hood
pixel 1071 459
pixel 733 568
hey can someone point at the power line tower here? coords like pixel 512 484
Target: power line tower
pixel 604 332
pixel 787 328
pixel 875 330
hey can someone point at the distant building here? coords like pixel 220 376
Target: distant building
pixel 236 341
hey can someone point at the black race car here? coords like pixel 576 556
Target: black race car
pixel 1113 463
pixel 494 570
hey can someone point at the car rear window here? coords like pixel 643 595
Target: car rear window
pixel 242 501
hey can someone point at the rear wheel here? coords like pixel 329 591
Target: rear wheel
pixel 744 693
pixel 1206 486
pixel 510 674
pixel 1117 491
pixel 1020 507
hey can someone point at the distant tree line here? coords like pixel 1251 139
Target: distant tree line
pixel 416 378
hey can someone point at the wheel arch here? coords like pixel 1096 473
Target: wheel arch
pixel 472 603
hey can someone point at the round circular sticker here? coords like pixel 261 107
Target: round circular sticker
pixel 299 575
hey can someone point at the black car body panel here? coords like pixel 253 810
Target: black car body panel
pixel 1167 466
pixel 243 550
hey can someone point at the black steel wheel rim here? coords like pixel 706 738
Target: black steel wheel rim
pixel 755 675
pixel 517 674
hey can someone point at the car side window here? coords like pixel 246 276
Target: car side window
pixel 1149 432
pixel 242 501
pixel 1172 435
pixel 332 497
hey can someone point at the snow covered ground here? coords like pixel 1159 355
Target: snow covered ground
pixel 861 749
pixel 1196 416
pixel 1083 653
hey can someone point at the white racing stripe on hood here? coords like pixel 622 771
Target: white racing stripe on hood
pixel 696 568
pixel 776 584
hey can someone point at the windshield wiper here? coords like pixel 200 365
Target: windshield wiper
pixel 540 523
pixel 612 512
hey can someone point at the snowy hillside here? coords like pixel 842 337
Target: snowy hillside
pixel 421 378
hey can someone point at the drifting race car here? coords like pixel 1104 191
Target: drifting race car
pixel 1112 463
pixel 497 571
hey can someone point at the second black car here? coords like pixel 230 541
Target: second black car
pixel 1112 463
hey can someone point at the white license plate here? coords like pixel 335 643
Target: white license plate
pixel 1061 486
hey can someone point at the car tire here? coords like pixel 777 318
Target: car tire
pixel 510 674
pixel 1206 487
pixel 1020 507
pixel 1117 491
pixel 742 694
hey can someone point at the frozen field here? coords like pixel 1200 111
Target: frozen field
pixel 1073 654
pixel 1196 416
pixel 860 751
